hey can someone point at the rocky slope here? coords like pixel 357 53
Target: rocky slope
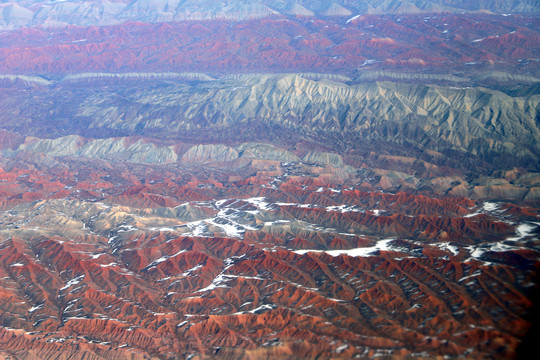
pixel 108 259
pixel 131 248
pixel 244 161
pixel 471 127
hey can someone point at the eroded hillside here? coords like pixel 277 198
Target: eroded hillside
pixel 130 259
pixel 269 179
pixel 467 127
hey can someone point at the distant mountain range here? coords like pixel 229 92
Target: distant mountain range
pixel 17 14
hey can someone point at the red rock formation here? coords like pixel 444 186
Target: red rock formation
pixel 270 44
pixel 103 280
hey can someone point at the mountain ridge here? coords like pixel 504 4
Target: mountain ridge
pixel 482 123
pixel 102 12
pixel 447 44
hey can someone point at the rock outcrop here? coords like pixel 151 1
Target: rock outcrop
pixel 204 153
pixel 117 149
pixel 467 126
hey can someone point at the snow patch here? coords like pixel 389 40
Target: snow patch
pixel 72 282
pixel 219 281
pixel 270 223
pixel 477 273
pixel 34 308
pixel 198 228
pixel 523 230
pixel 219 203
pixel 127 228
pixel 108 265
pixel 382 245
pixel 164 258
pixel 231 230
pixel 487 207
pixel 260 203
pixel 490 206
pixel 261 308
pixel 343 208
pixel 352 19
pixel 189 271
pixel 447 246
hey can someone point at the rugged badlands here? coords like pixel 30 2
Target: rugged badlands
pixel 269 179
